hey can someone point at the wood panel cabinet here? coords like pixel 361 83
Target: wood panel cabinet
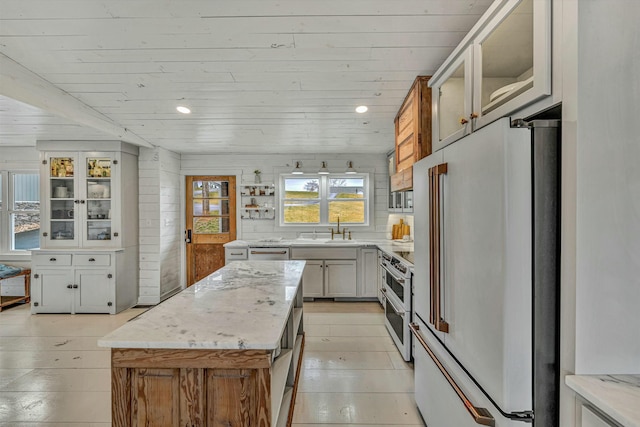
pixel 413 133
pixel 209 387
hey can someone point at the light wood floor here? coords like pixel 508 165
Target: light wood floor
pixel 52 373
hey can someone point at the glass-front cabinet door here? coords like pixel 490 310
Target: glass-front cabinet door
pixel 451 101
pixel 62 201
pixel 97 187
pixel 79 200
pixel 512 60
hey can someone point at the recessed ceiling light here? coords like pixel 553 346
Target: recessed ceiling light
pixel 361 109
pixel 183 110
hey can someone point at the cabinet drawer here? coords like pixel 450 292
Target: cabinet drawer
pixel 235 253
pixel 52 259
pixel 91 259
pixel 324 253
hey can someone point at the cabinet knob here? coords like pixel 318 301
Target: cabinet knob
pixel 92 259
pixel 75 286
pixel 52 259
pixel 76 201
pixel 69 286
pixel 82 202
pixel 116 234
pixel 109 276
pixel 109 304
pixel 473 116
pixel 463 121
pixel 45 234
pixel 36 276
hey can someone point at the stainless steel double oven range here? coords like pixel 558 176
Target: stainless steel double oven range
pixel 397 296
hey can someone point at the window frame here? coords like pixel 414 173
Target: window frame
pixel 323 192
pixel 8 209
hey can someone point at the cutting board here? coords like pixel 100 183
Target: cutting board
pixel 399 230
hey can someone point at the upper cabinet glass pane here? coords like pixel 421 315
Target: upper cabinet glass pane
pixel 507 58
pixel 210 189
pixel 61 166
pixel 98 167
pixel 451 103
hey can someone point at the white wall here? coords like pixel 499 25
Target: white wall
pixel 272 165
pixel 608 196
pixel 160 229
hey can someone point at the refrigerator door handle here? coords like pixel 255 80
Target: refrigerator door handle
pixel 480 415
pixel 435 279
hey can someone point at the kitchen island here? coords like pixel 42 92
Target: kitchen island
pixel 223 352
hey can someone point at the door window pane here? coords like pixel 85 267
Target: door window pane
pixel 210 207
pixel 209 189
pixel 210 225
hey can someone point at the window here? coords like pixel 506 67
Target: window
pixel 322 199
pixel 19 211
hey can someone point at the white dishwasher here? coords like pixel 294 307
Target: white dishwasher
pixel 268 253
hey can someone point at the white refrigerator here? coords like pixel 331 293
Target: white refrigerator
pixel 486 283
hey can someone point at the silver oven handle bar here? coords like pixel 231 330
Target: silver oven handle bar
pixel 398 279
pixel 398 312
pixel 480 415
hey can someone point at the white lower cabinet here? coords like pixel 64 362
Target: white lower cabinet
pixel 313 279
pixel 328 278
pixel 340 278
pixel 592 419
pixel 83 282
pixel 368 284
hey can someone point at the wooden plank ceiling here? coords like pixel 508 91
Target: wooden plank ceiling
pixel 277 76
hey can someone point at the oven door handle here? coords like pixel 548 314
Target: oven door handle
pixel 480 415
pixel 398 312
pixel 396 278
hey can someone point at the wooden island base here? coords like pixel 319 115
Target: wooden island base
pixel 163 387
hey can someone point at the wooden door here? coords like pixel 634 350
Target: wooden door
pixel 211 222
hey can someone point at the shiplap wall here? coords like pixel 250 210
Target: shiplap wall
pixel 272 165
pixel 159 186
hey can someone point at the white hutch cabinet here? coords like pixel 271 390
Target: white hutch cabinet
pixel 88 257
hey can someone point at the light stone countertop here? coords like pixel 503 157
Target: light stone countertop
pixel 244 305
pixel 388 246
pixel 617 396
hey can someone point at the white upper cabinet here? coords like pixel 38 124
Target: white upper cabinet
pixel 501 66
pixel 89 198
pixel 451 100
